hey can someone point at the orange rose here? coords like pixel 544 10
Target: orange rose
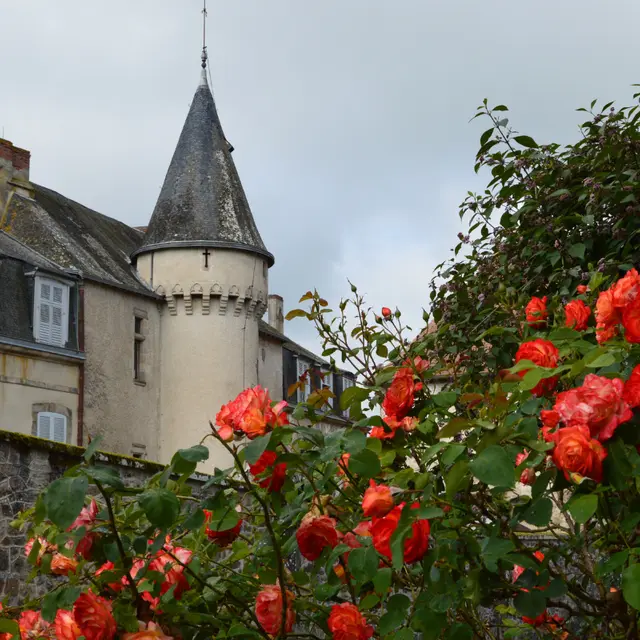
pixel 415 546
pixel 93 615
pixel 269 609
pixel 598 404
pixel 631 321
pixel 63 566
pixel 377 500
pixel 607 317
pixel 385 433
pixel 315 534
pixel 386 312
pixel 400 395
pixel 251 413
pixel 149 631
pixel 536 313
pixel 65 626
pixel 272 475
pixel 577 315
pixel 33 625
pixel 543 353
pixel 626 290
pixel 347 623
pixel 582 288
pixel 576 452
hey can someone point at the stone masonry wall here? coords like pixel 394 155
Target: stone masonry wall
pixel 27 466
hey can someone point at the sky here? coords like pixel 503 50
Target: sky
pixel 349 118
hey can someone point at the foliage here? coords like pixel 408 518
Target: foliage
pixel 503 504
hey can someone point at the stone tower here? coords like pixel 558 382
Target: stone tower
pixel 203 254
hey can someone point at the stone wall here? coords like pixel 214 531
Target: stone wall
pixel 27 466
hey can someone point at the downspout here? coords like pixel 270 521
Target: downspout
pixel 81 368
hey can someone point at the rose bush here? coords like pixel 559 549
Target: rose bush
pixel 485 486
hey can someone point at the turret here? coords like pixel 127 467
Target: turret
pixel 203 254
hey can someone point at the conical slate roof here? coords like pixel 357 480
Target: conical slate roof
pixel 202 202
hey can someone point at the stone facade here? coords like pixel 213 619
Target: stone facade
pixel 27 466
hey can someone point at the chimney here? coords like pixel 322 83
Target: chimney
pixel 276 313
pixel 14 172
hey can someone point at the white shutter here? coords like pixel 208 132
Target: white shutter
pixel 52 426
pixel 59 428
pixel 51 319
pixel 44 425
pixel 328 382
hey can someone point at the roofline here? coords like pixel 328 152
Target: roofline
pixel 52 267
pixel 217 244
pixel 43 348
pixel 123 287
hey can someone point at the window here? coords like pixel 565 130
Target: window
pixel 52 426
pixel 327 382
pixel 346 384
pixel 138 341
pixel 51 312
pixel 304 370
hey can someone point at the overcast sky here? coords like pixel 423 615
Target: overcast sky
pixel 350 118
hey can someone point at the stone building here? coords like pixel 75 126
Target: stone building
pixel 140 335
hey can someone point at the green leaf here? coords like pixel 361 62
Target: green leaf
pixel 493 549
pixel 494 467
pixel 582 507
pixel 460 631
pixel 455 479
pixel 325 591
pixel 556 589
pixel 612 564
pixel 539 512
pixel 397 608
pixel 532 378
pixel 445 399
pixel 107 476
pixel 382 580
pixel 577 250
pixel 603 360
pixel 198 453
pixel 530 604
pixel 64 500
pixel 541 483
pixel 354 441
pixel 631 585
pixel 351 395
pixel 10 626
pixel 363 563
pixel 401 533
pixel 365 463
pixel 453 427
pixel 160 506
pixel 92 448
pixel 256 448
pixel 526 141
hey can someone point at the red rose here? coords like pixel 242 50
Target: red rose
pixel 528 475
pixel 550 418
pixel 399 397
pixel 269 609
pixel 347 623
pixel 65 626
pixel 172 570
pixel 315 534
pixel 631 321
pixel 577 315
pixel 536 313
pixel 93 615
pixel 631 392
pixel 576 452
pixel 385 433
pixel 598 403
pixel 544 354
pixel 273 475
pixel 415 546
pixel 607 317
pixel 224 537
pixel 251 413
pixel 386 312
pixel 582 288
pixel 626 290
pixel 377 500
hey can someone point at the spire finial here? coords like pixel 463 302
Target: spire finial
pixel 204 35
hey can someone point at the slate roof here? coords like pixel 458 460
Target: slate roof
pixel 12 248
pixel 202 202
pixel 75 237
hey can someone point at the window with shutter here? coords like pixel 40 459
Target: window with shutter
pixel 52 426
pixel 327 382
pixel 346 384
pixel 51 312
pixel 303 370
